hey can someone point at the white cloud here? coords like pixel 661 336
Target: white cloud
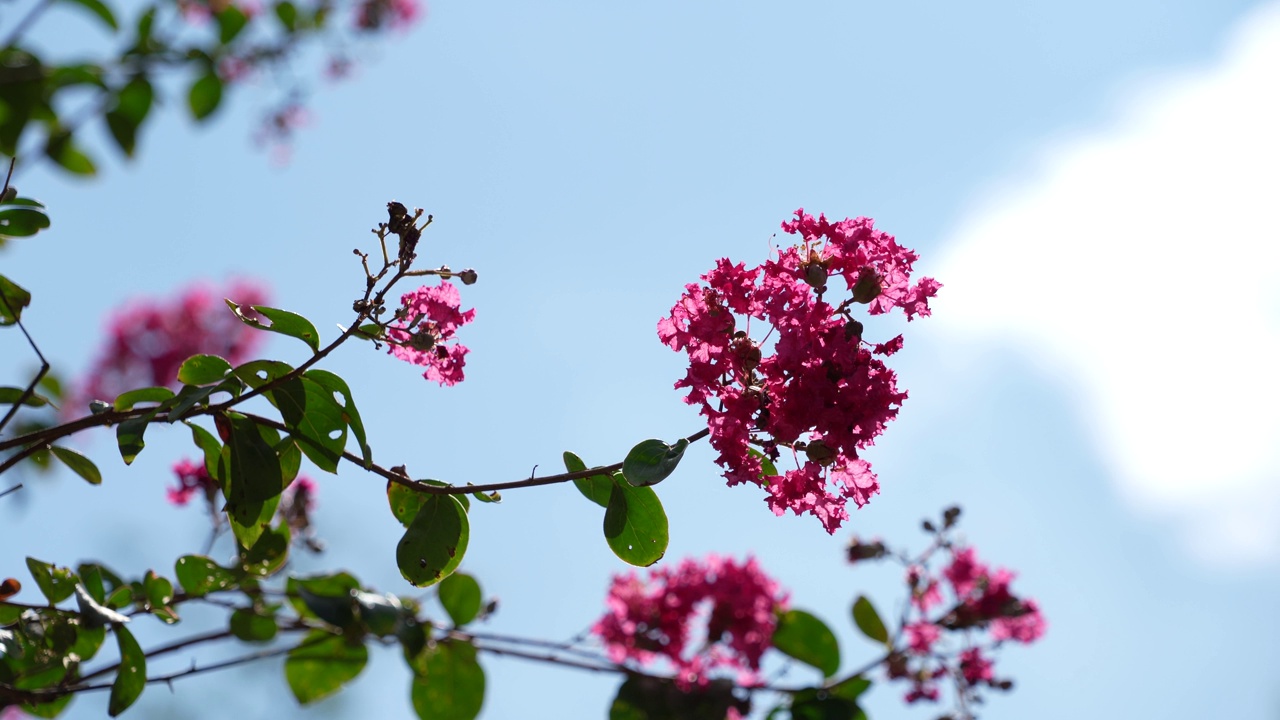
pixel 1143 263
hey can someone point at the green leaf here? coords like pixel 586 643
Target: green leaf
pixel 13 298
pixel 382 615
pixel 321 664
pixel 126 401
pixel 269 554
pixel 211 448
pixel 448 682
pixel 653 698
pixel 129 436
pixel 97 7
pixel 159 589
pixel 133 103
pixel 435 541
pixel 256 475
pixel 820 704
pixel 231 20
pixel 200 575
pixel 324 597
pixel 461 598
pixel 405 502
pixel 132 676
pixel 255 479
pixel 850 688
pixel 809 640
pixel 54 582
pixel 91 578
pixel 282 321
pixel 22 222
pixel 62 150
pixel 596 488
pixel 868 620
pixel 651 461
pixel 11 395
pixel 288 14
pixel 188 397
pixel 337 386
pixel 203 370
pixel 767 468
pixel 315 418
pixel 205 95
pixel 249 626
pixel 635 525
pixel 78 463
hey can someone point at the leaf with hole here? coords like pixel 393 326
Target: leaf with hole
pixel 54 582
pixel 434 542
pixel 282 321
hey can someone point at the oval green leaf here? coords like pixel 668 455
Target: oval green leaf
pixel 54 582
pixel 809 640
pixel 132 675
pixel 322 663
pixel 651 461
pixel 203 370
pixel 205 95
pixel 22 222
pixel 635 525
pixel 282 321
pixel 249 626
pixel 127 400
pixel 596 488
pixel 13 298
pixel 78 463
pixel 460 595
pixel 435 542
pixel 11 396
pixel 200 575
pixel 448 682
pixel 868 620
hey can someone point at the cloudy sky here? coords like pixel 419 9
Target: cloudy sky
pixel 1092 182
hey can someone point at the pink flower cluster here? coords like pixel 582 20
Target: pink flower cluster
pixel 980 601
pixel 149 340
pixel 428 318
pixel 654 618
pixel 818 389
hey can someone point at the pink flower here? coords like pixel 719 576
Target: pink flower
pixel 148 340
pixel 975 668
pixel 925 593
pixel 965 570
pixel 1026 627
pixel 192 477
pixel 817 389
pixel 921 636
pixel 654 619
pixel 398 14
pixel 429 317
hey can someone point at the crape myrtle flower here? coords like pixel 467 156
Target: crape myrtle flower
pixel 192 477
pixel 809 386
pixel 428 318
pixel 653 619
pixel 396 14
pixel 148 340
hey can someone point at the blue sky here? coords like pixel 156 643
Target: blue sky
pixel 1090 181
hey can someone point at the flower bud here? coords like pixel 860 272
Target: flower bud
pixel 468 277
pixel 867 288
pixel 816 276
pixel 820 452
